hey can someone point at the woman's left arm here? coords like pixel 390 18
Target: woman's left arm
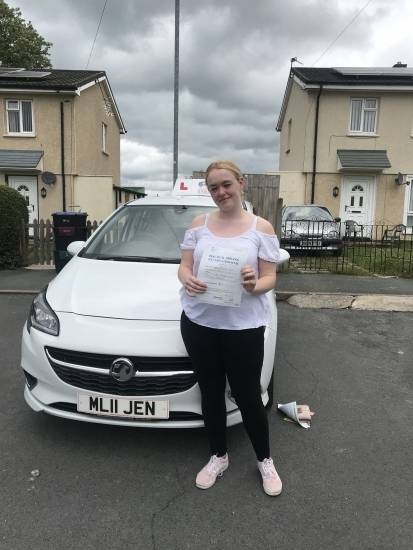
pixel 266 280
pixel 267 270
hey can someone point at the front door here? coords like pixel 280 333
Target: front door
pixel 358 199
pixel 27 186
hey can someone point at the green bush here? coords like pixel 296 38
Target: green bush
pixel 13 208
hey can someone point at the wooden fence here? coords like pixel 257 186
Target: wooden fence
pixel 263 192
pixel 37 241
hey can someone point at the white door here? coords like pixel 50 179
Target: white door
pixel 27 186
pixel 358 199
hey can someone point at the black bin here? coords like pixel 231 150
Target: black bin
pixel 67 227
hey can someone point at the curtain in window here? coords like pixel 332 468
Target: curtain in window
pixel 369 121
pixel 27 116
pixel 356 108
pixel 14 121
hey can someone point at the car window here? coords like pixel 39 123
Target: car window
pixel 154 231
pixel 296 213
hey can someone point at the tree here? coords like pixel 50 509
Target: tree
pixel 20 44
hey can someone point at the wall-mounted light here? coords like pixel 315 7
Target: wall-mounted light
pixel 399 180
pixel 335 191
pixel 43 192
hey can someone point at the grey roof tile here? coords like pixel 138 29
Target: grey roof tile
pixel 19 158
pixel 363 158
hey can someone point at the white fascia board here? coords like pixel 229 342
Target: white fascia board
pixel 301 83
pixel 339 88
pixel 109 92
pixel 284 104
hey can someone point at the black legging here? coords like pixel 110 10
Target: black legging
pixel 238 354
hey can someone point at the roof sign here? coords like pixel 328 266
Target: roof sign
pixel 190 187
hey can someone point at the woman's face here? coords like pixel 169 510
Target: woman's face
pixel 225 188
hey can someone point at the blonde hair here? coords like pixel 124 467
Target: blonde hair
pixel 226 165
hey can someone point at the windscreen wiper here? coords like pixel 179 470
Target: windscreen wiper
pixel 148 259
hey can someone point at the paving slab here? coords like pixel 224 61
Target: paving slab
pixel 321 301
pixel 383 303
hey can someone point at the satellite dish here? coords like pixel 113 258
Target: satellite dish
pixel 399 179
pixel 49 178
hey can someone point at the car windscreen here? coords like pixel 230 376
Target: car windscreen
pixel 297 213
pixel 144 233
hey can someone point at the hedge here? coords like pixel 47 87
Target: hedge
pixel 13 208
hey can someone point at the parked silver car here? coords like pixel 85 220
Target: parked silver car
pixel 310 227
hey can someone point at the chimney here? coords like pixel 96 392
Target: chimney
pixel 399 64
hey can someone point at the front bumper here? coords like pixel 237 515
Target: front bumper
pixel 121 338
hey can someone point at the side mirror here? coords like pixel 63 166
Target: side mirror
pixel 337 219
pixel 284 256
pixel 75 247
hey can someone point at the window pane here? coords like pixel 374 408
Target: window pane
pixel 361 201
pixel 27 116
pixel 355 124
pixel 369 121
pixel 409 221
pixel 14 121
pixel 370 103
pixel 411 198
pixel 351 201
pixel 13 105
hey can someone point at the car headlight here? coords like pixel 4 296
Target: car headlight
pixel 42 317
pixel 332 234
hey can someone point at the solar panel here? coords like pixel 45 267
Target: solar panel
pixel 13 72
pixel 375 71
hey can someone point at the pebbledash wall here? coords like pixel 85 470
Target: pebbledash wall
pixel 394 134
pixel 90 173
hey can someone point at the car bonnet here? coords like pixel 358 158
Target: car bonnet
pixel 115 289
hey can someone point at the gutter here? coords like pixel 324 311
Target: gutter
pixel 317 109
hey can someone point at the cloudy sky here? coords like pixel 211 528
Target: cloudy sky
pixel 234 63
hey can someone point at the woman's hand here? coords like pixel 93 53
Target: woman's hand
pixel 249 279
pixel 193 286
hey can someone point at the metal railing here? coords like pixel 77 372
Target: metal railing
pixel 347 247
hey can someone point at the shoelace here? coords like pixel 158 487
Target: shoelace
pixel 268 467
pixel 213 465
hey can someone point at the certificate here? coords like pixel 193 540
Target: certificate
pixel 220 269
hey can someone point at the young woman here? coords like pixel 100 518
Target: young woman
pixel 225 341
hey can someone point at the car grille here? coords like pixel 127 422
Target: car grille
pixel 100 361
pixel 173 415
pixel 75 372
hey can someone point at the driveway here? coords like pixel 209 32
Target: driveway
pixel 347 480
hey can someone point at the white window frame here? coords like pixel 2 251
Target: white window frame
pixel 20 111
pixel 364 109
pixel 104 137
pixel 408 200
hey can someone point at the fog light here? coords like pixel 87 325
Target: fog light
pixel 231 398
pixel 31 381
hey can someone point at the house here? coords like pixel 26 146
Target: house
pixel 60 140
pixel 348 132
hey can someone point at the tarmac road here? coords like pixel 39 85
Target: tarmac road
pixel 347 481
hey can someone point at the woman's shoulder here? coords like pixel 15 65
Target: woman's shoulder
pixel 264 226
pixel 198 221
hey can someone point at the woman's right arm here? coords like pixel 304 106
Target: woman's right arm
pixel 191 284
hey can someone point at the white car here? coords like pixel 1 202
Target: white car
pixel 102 342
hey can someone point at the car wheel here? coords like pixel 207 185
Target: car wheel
pixel 338 252
pixel 270 391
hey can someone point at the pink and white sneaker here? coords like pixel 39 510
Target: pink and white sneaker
pixel 270 479
pixel 208 475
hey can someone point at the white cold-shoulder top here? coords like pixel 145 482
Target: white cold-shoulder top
pixel 254 310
